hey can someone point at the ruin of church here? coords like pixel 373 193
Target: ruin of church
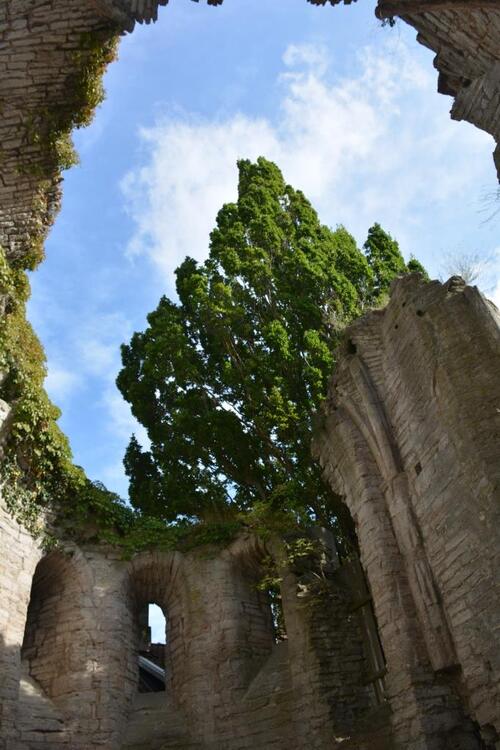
pixel 395 649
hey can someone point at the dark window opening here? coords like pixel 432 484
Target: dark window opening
pixel 277 615
pixel 152 649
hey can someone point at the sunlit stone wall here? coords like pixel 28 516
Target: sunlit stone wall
pixel 410 437
pixel 69 642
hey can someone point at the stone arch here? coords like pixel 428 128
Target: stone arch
pixel 158 578
pixel 249 558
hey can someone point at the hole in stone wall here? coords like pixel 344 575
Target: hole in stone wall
pixel 351 347
pixel 152 649
pixel 157 624
pixel 277 614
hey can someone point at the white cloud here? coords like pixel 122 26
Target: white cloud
pixel 495 295
pixel 98 342
pixel 376 146
pixel 122 423
pixel 61 382
pixel 493 278
pixel 175 198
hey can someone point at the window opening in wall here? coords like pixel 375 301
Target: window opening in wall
pixel 152 649
pixel 353 574
pixel 278 618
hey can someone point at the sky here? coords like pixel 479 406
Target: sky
pixel 347 108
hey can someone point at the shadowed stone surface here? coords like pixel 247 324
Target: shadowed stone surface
pixel 410 437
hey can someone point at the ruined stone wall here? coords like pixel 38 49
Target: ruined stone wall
pixel 18 559
pixel 70 640
pixel 44 51
pixel 465 35
pixel 410 438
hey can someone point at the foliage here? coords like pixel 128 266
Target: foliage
pixel 414 266
pixel 51 128
pixel 385 259
pixel 226 380
pixel 36 464
pixel 38 479
pixel 36 471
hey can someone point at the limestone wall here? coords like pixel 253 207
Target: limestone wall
pixel 19 555
pixel 69 633
pixel 410 438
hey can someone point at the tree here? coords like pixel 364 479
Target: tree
pixel 385 260
pixel 415 266
pixel 226 380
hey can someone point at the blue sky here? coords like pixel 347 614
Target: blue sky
pixel 348 109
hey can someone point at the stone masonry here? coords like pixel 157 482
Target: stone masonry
pixel 409 436
pixel 69 633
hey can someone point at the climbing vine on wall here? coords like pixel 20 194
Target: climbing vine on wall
pixel 50 128
pixel 36 467
pixel 38 477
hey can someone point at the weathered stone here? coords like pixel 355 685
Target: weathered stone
pixel 69 638
pixel 410 437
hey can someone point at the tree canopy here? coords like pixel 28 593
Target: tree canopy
pixel 227 378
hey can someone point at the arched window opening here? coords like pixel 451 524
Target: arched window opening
pixel 152 649
pixel 352 574
pixel 49 622
pixel 277 615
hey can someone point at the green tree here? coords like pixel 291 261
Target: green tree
pixel 226 379
pixel 385 260
pixel 415 266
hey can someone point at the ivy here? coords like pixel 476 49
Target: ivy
pixel 49 127
pixel 41 487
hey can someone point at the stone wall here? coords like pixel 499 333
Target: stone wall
pixel 409 437
pixel 18 560
pixel 70 639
